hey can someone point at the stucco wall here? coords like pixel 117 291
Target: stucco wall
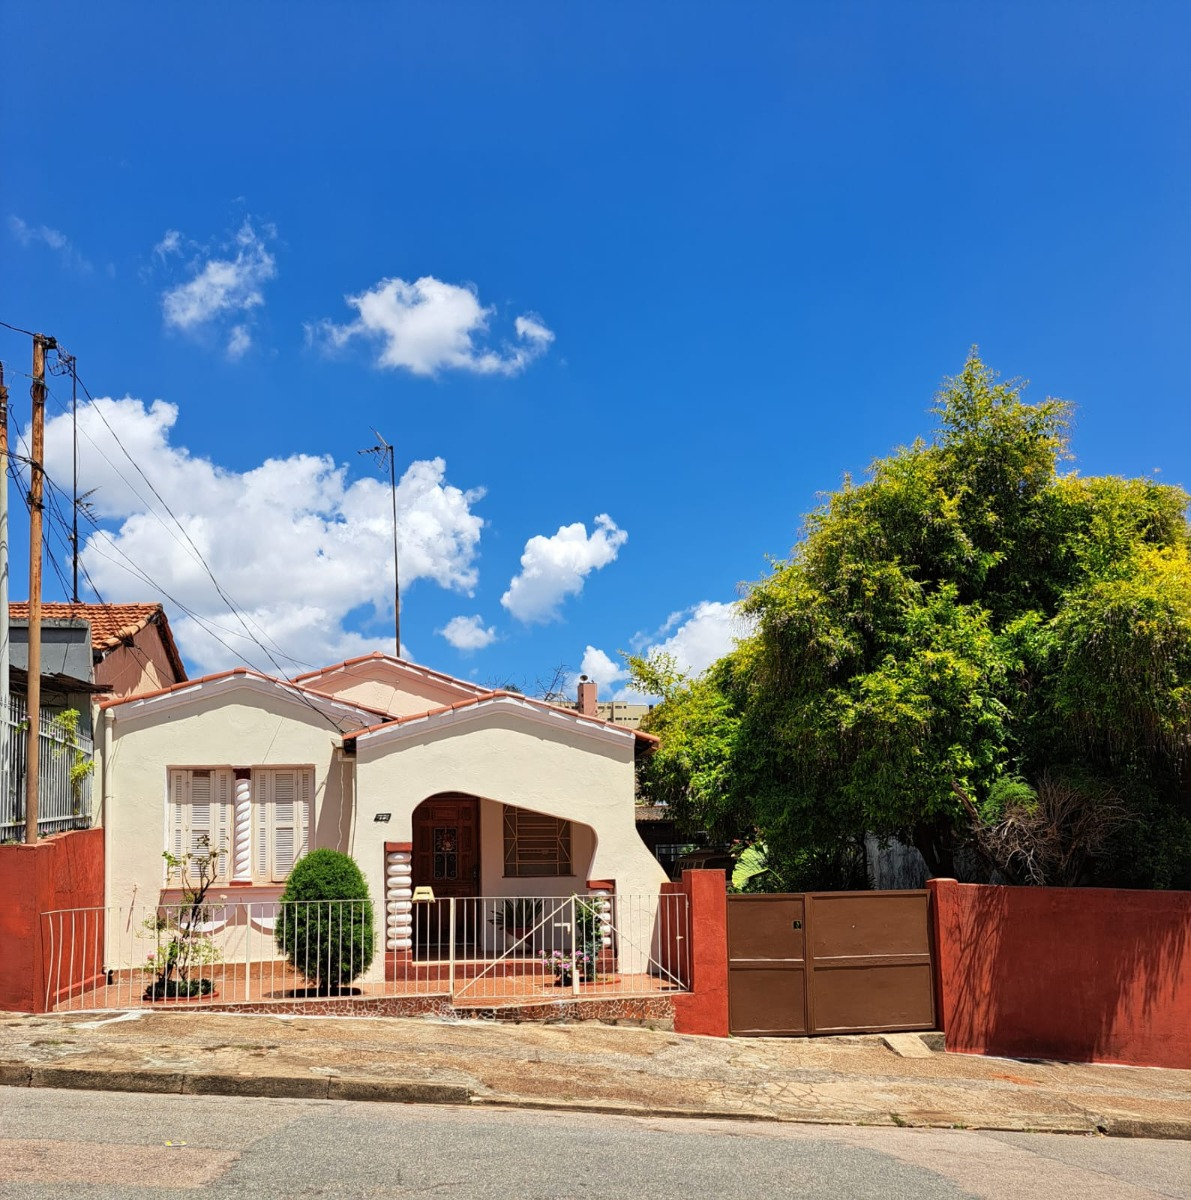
pixel 60 872
pixel 228 729
pixel 1086 974
pixel 128 671
pixel 387 688
pixel 560 770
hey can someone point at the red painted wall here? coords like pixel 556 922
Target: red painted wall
pixel 1083 974
pixel 705 1008
pixel 64 871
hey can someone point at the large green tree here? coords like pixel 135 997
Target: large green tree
pixel 971 648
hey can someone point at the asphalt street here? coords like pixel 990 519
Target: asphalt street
pixel 121 1146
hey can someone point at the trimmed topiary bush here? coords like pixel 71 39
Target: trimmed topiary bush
pixel 324 920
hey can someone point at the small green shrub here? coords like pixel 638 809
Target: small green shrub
pixel 324 920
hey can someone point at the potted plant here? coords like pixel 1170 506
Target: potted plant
pixel 565 965
pixel 586 949
pixel 517 918
pixel 183 943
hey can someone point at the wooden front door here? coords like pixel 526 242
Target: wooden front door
pixel 447 845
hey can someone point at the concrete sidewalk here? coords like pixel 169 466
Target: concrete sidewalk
pixel 858 1080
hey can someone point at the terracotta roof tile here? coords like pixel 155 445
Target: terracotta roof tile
pixel 230 673
pixel 648 738
pixel 111 624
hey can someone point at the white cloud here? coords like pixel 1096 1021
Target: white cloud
pixel 171 243
pixel 239 341
pixel 428 325
pixel 293 541
pixel 55 239
pixel 220 287
pixel 555 567
pixel 598 666
pixel 468 633
pixel 698 636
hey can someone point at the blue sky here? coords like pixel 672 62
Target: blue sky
pixel 636 281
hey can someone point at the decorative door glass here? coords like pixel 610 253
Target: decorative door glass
pixel 446 852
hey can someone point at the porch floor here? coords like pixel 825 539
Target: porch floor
pixel 478 984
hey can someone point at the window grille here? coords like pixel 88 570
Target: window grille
pixel 536 845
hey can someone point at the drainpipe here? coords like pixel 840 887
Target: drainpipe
pixel 105 791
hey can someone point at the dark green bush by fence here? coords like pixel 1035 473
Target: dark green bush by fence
pixel 324 920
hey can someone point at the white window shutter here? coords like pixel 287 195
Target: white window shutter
pixel 223 823
pixel 202 812
pixel 305 796
pixel 282 802
pixel 285 823
pixel 262 822
pixel 179 812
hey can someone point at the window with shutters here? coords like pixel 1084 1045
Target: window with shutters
pixel 281 800
pixel 201 808
pixel 536 845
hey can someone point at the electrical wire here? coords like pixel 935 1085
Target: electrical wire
pixel 198 554
pixel 193 549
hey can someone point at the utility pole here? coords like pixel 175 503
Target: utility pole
pixel 74 508
pixel 41 344
pixel 382 451
pixel 6 795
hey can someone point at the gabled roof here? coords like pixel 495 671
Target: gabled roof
pixel 515 701
pixel 112 625
pixel 309 678
pixel 194 689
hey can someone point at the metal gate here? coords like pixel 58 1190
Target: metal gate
pixel 829 962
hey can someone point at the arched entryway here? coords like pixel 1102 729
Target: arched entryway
pixel 446 844
pixel 446 858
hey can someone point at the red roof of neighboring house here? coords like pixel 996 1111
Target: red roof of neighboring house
pixel 499 694
pixel 112 625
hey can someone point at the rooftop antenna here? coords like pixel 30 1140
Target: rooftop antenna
pixel 383 452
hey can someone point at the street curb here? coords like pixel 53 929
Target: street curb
pixel 415 1091
pixel 1134 1127
pixel 1122 1127
pixel 198 1083
pixel 96 1079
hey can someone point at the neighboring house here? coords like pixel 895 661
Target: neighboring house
pixel 132 648
pixel 487 793
pixel 86 650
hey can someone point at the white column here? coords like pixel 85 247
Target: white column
pixel 242 836
pixel 399 892
pixel 603 908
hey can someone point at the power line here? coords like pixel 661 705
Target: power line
pixel 231 604
pixel 18 329
pixel 232 607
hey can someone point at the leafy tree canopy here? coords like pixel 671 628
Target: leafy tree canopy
pixel 968 615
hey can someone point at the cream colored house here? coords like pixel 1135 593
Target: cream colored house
pixel 426 780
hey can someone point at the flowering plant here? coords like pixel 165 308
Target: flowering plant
pixel 564 964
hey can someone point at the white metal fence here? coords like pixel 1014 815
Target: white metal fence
pixel 477 951
pixel 64 755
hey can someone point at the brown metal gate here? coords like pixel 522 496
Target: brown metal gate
pixel 829 962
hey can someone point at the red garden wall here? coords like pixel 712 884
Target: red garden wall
pixel 1084 974
pixel 705 1008
pixel 64 871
